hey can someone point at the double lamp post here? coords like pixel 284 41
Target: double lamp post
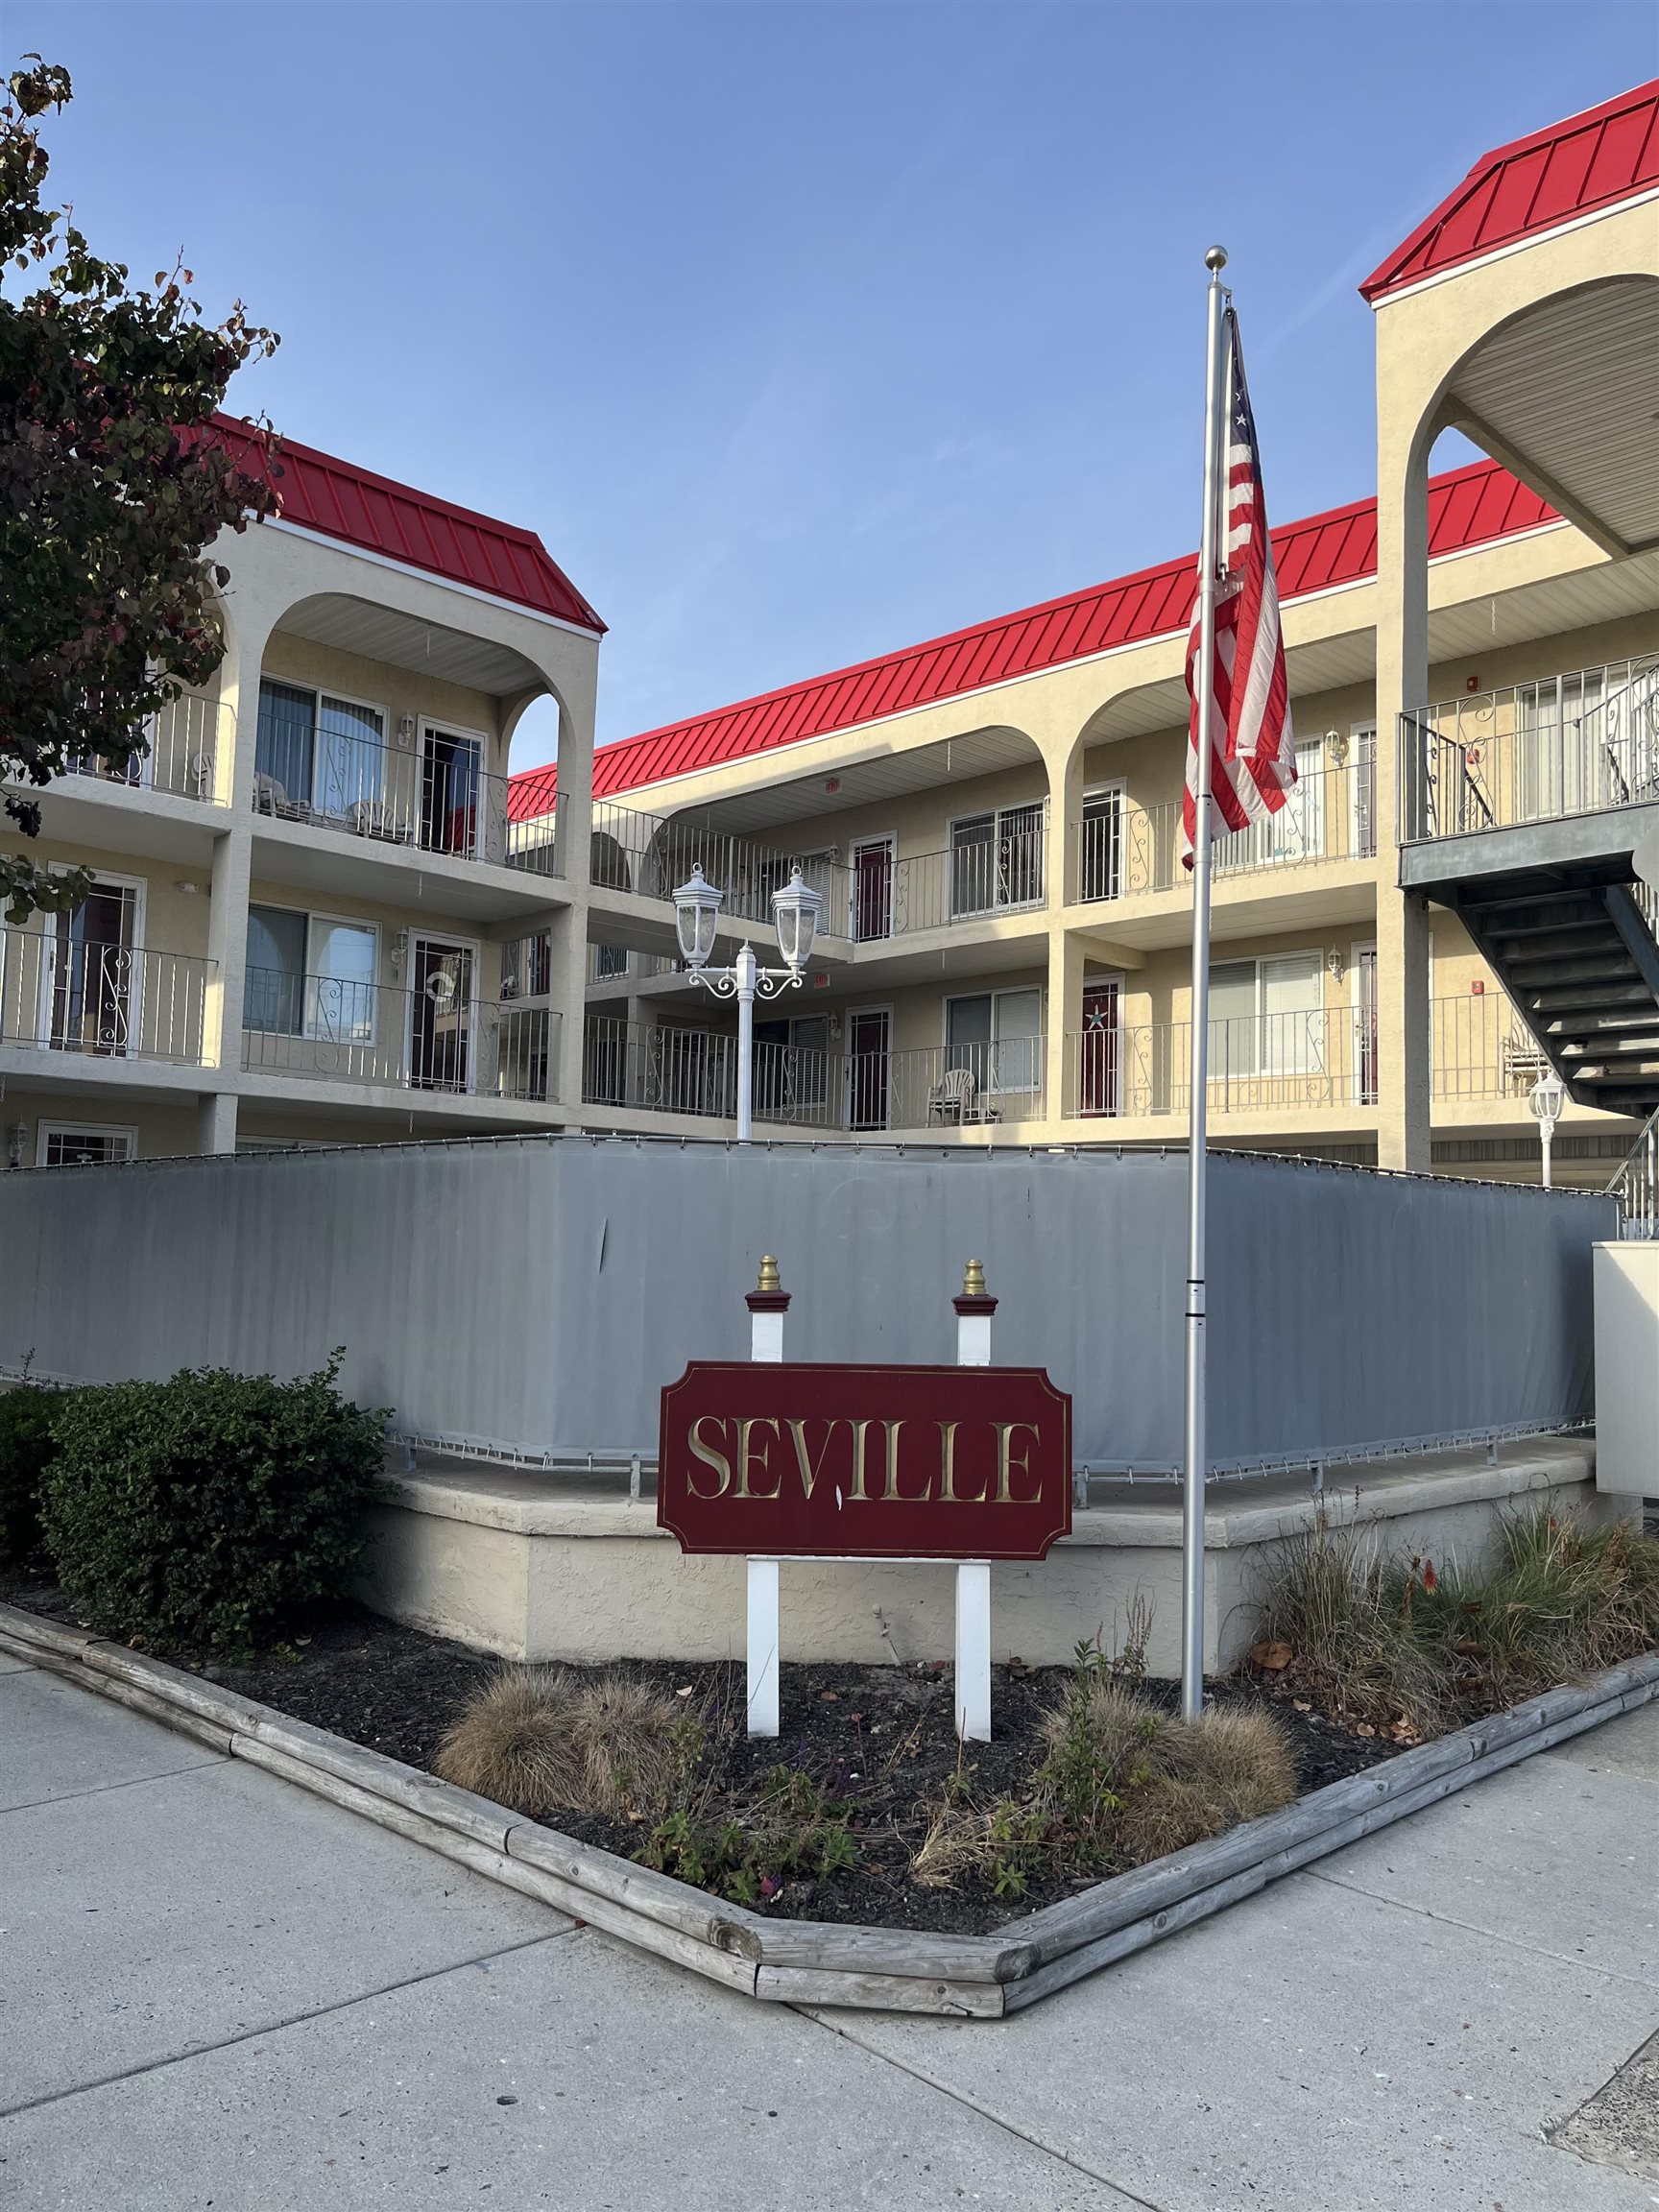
pixel 696 917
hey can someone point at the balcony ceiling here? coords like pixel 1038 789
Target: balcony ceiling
pixel 1567 396
pixel 885 773
pixel 384 634
pixel 1574 601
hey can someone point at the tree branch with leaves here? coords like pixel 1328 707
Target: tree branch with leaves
pixel 114 484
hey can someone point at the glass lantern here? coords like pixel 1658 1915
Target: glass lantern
pixel 696 909
pixel 795 910
pixel 1546 1097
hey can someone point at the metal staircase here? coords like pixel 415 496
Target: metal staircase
pixel 1576 954
pixel 1521 811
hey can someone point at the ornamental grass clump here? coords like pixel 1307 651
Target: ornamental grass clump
pixel 1405 1646
pixel 210 1512
pixel 541 1740
pixel 1121 1781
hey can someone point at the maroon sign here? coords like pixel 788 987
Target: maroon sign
pixel 803 1461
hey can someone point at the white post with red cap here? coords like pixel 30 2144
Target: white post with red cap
pixel 973 1311
pixel 768 1303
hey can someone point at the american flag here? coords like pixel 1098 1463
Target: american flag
pixel 1253 752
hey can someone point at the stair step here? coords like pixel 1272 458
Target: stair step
pixel 1585 1001
pixel 1610 967
pixel 1545 915
pixel 1612 1028
pixel 1599 1049
pixel 1558 944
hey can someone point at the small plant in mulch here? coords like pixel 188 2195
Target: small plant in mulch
pixel 1121 1781
pixel 1404 1649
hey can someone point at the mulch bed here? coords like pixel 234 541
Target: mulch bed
pixel 883 1735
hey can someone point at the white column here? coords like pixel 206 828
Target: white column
pixel 973 1311
pixel 768 1303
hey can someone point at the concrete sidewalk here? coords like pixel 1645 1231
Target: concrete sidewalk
pixel 217 1990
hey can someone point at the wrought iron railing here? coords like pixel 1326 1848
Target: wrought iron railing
pixel 179 754
pixel 426 796
pixel 110 1002
pixel 651 855
pixel 1577 743
pixel 1480 1048
pixel 1636 1185
pixel 675 1070
pixel 1125 848
pixel 441 1037
pixel 973 879
pixel 1269 1063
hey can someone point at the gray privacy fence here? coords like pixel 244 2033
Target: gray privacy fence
pixel 530 1295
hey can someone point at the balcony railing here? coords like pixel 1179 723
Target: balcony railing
pixel 180 751
pixel 977 879
pixel 1125 849
pixel 429 795
pixel 1269 1063
pixel 439 1039
pixel 694 1072
pixel 1578 743
pixel 650 854
pixel 1480 1048
pixel 105 1002
pixel 1636 1185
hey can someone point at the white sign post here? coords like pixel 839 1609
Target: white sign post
pixel 973 1311
pixel 768 1303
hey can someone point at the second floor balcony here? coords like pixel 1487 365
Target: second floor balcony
pixel 184 751
pixel 1126 848
pixel 1583 742
pixel 1304 1061
pixel 436 1036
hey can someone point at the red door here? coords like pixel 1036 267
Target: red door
pixel 871 891
pixel 867 1071
pixel 1097 1090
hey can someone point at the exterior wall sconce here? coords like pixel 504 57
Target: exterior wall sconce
pixel 1333 965
pixel 1336 747
pixel 17 1144
pixel 405 731
pixel 397 952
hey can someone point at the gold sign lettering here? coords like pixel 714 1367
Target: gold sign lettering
pixel 948 1490
pixel 748 1457
pixel 893 1490
pixel 1007 1465
pixel 700 1450
pixel 810 1467
pixel 859 1430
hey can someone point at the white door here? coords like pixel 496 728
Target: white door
pixel 90 973
pixel 441 1014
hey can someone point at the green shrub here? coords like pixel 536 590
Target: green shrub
pixel 25 1447
pixel 206 1512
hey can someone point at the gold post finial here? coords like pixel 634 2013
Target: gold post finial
pixel 770 1280
pixel 973 1281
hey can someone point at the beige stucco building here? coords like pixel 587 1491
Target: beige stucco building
pixel 325 914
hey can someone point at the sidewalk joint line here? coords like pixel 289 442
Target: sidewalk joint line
pixel 132 1781
pixel 1473 1928
pixel 988 2113
pixel 276 2027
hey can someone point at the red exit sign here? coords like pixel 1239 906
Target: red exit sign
pixel 805 1460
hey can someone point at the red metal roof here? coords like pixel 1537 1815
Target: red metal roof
pixel 341 501
pixel 1466 507
pixel 1573 168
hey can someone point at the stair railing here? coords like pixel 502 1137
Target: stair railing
pixel 1636 1185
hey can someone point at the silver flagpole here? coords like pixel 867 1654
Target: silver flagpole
pixel 1193 1502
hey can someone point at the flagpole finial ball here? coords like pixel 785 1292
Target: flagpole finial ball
pixel 1215 261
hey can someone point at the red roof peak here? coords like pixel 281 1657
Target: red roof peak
pixel 1468 506
pixel 338 498
pixel 1573 167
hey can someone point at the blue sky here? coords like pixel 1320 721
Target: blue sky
pixel 801 332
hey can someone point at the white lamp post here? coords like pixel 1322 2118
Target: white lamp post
pixel 795 910
pixel 1546 1097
